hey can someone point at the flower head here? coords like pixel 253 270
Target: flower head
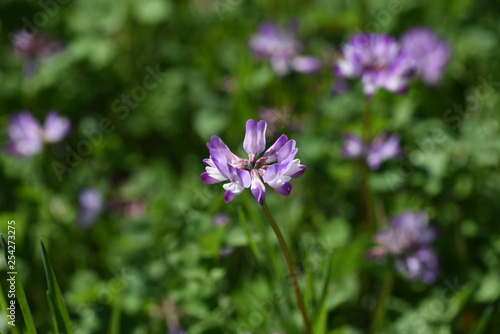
pixel 28 136
pixel 428 53
pixel 276 167
pixel 382 148
pixel 379 60
pixel 283 49
pixel 91 204
pixel 408 240
pixel 33 47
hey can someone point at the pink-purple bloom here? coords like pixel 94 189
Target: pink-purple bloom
pixel 381 149
pixel 222 219
pixel 408 240
pixel 276 167
pixel 91 205
pixel 32 47
pixel 28 136
pixel 283 49
pixel 378 60
pixel 428 53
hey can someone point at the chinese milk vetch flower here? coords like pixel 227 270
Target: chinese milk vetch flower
pixel 408 240
pixel 378 60
pixel 381 149
pixel 33 47
pixel 91 203
pixel 428 53
pixel 276 167
pixel 283 49
pixel 27 135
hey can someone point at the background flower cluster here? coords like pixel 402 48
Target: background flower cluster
pixel 106 110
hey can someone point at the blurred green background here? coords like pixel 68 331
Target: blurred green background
pixel 153 259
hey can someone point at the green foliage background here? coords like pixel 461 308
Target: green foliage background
pixel 126 266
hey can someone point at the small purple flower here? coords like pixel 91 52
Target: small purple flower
pixel 408 240
pixel 28 136
pixel 221 219
pixel 382 148
pixel 282 48
pixel 33 47
pixel 25 134
pixel 91 204
pixel 379 60
pixel 428 53
pixel 223 165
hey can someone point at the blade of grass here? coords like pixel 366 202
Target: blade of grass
pixel 21 297
pixel 53 317
pixel 483 322
pixel 321 312
pixel 60 309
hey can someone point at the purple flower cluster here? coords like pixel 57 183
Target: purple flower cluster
pixel 382 62
pixel 428 53
pixel 33 47
pixel 28 136
pixel 382 148
pixel 283 49
pixel 408 240
pixel 276 167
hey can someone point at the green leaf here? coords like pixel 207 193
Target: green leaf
pixel 56 298
pixel 21 297
pixel 211 241
pixel 248 232
pixel 485 318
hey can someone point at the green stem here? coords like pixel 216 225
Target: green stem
pixel 379 315
pixel 291 267
pixel 365 172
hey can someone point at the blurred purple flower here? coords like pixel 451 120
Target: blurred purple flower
pixel 408 240
pixel 428 53
pixel 33 47
pixel 223 165
pixel 379 60
pixel 91 204
pixel 221 219
pixel 282 48
pixel 382 148
pixel 226 251
pixel 28 136
pixel 25 134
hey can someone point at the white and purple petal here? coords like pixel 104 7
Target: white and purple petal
pixel 217 144
pixel 272 152
pixel 56 127
pixel 255 138
pixel 257 187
